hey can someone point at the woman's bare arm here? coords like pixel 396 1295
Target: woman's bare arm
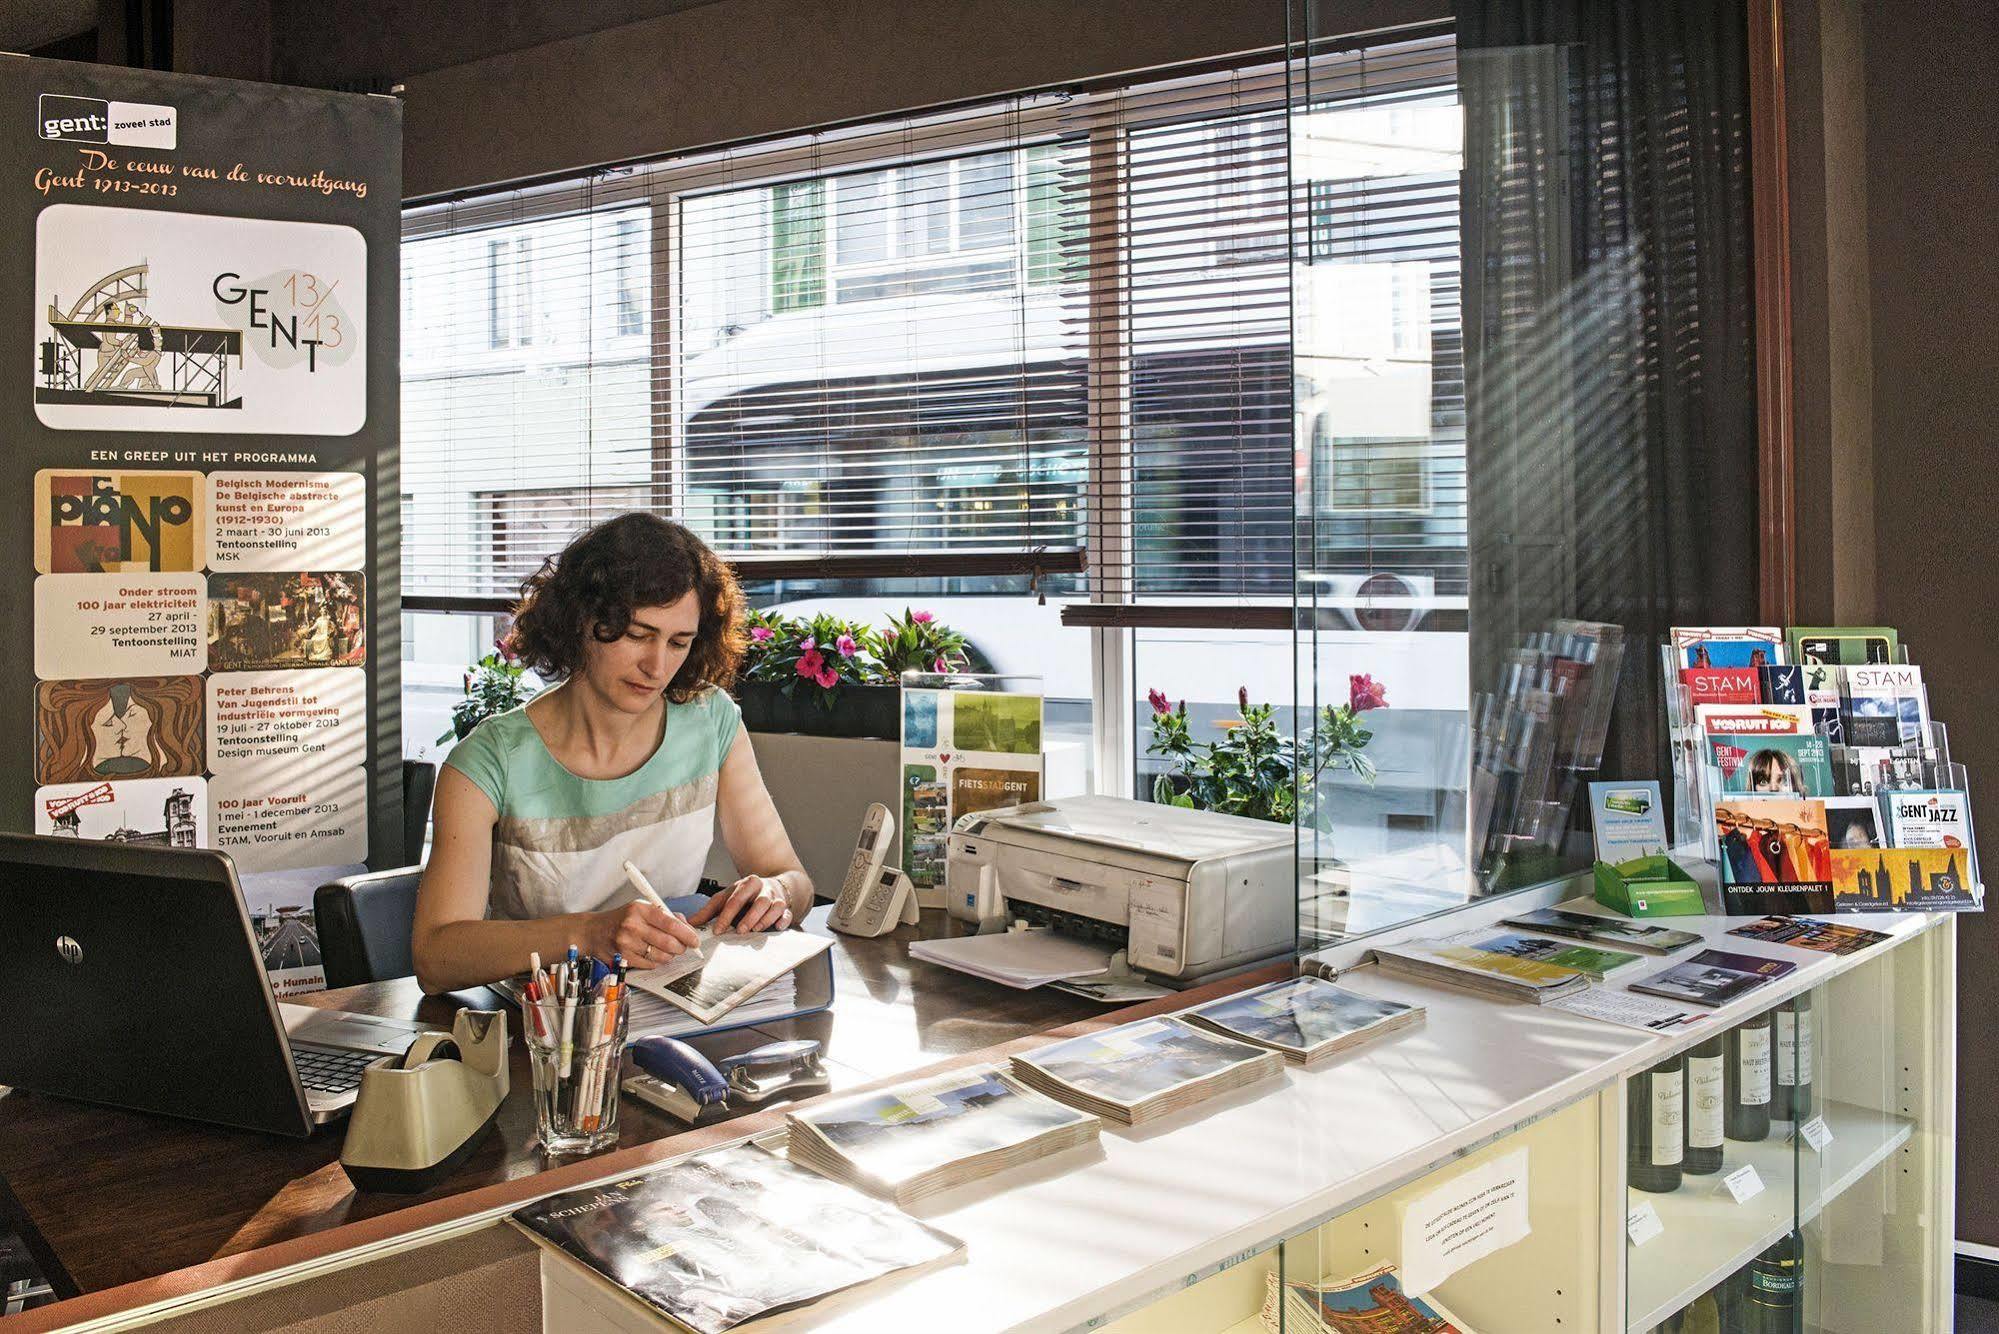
pixel 774 890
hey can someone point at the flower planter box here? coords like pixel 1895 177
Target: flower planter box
pixel 860 711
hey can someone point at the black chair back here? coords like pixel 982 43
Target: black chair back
pixel 364 925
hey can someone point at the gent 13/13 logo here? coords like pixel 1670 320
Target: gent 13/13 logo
pixel 310 326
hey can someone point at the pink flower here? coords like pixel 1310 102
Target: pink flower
pixel 1157 699
pixel 1364 693
pixel 921 617
pixel 811 666
pixel 846 645
pixel 763 634
pixel 828 678
pixel 940 665
pixel 807 644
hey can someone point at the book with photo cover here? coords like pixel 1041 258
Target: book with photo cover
pixel 1603 930
pixel 1766 748
pixel 727 969
pixel 1370 1300
pixel 1843 646
pixel 1825 937
pixel 732 1235
pixel 1563 954
pixel 1714 977
pixel 1775 855
pixel 1904 880
pixel 1140 1071
pixel 1885 706
pixel 1504 976
pixel 1822 698
pixel 911 1141
pixel 1727 645
pixel 1783 684
pixel 1305 1019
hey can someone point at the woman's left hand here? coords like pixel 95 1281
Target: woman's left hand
pixel 754 903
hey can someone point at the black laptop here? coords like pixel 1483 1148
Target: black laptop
pixel 130 975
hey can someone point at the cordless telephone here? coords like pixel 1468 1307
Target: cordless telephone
pixel 873 897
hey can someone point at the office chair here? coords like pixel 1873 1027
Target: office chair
pixel 364 920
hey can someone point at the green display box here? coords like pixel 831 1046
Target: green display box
pixel 1668 891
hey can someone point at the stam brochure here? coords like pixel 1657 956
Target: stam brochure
pixel 732 1235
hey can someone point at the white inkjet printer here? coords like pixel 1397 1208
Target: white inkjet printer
pixel 1185 893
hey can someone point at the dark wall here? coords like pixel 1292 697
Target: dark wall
pixel 743 68
pixel 498 92
pixel 1933 234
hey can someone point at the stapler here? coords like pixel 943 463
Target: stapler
pixel 687 1086
pixel 421 1115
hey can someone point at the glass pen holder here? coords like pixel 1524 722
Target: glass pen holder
pixel 574 1052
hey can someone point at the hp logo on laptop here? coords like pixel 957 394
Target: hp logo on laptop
pixel 71 951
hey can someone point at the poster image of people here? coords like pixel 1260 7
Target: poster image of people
pixel 262 621
pixel 140 727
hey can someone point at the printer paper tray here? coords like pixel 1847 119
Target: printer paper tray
pixel 1017 958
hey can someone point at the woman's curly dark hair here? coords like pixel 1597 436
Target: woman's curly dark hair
pixel 593 586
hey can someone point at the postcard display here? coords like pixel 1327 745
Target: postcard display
pixel 203 421
pixel 969 743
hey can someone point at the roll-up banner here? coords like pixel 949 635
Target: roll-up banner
pixel 198 376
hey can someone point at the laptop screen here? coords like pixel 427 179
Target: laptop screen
pixel 131 978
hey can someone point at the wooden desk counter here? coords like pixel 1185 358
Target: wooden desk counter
pixel 125 1196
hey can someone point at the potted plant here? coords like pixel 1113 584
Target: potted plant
pixel 817 676
pixel 919 642
pixel 494 685
pixel 1256 771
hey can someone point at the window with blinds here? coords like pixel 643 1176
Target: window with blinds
pixel 1054 334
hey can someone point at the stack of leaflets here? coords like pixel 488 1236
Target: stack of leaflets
pixel 1714 977
pixel 1372 1300
pixel 728 969
pixel 1825 937
pixel 914 1140
pixel 1603 930
pixel 1583 958
pixel 1489 973
pixel 1306 1019
pixel 1137 1072
pixel 732 1235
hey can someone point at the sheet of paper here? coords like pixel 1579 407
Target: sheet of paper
pixel 1616 1006
pixel 1017 958
pixel 1643 1224
pixel 1468 1218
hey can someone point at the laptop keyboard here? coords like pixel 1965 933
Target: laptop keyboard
pixel 329 1070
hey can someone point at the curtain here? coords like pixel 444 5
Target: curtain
pixel 1608 323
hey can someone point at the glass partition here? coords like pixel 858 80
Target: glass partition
pixel 1523 434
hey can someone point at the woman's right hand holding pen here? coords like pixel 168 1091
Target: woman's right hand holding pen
pixel 645 933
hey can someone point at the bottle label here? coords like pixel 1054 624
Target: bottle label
pixel 1669 1126
pixel 1704 1102
pixel 1783 1283
pixel 1752 1076
pixel 1794 1049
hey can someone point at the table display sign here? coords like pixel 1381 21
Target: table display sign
pixel 970 742
pixel 203 418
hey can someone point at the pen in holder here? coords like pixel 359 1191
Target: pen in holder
pixel 574 1051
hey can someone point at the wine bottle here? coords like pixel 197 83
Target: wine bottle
pixel 1703 1314
pixel 1706 1098
pixel 1657 1101
pixel 1792 1068
pixel 1767 1295
pixel 1746 1107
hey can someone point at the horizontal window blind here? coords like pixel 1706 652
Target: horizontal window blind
pixel 1009 338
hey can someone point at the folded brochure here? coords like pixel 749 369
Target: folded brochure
pixel 727 969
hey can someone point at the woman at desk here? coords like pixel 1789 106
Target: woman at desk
pixel 633 756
